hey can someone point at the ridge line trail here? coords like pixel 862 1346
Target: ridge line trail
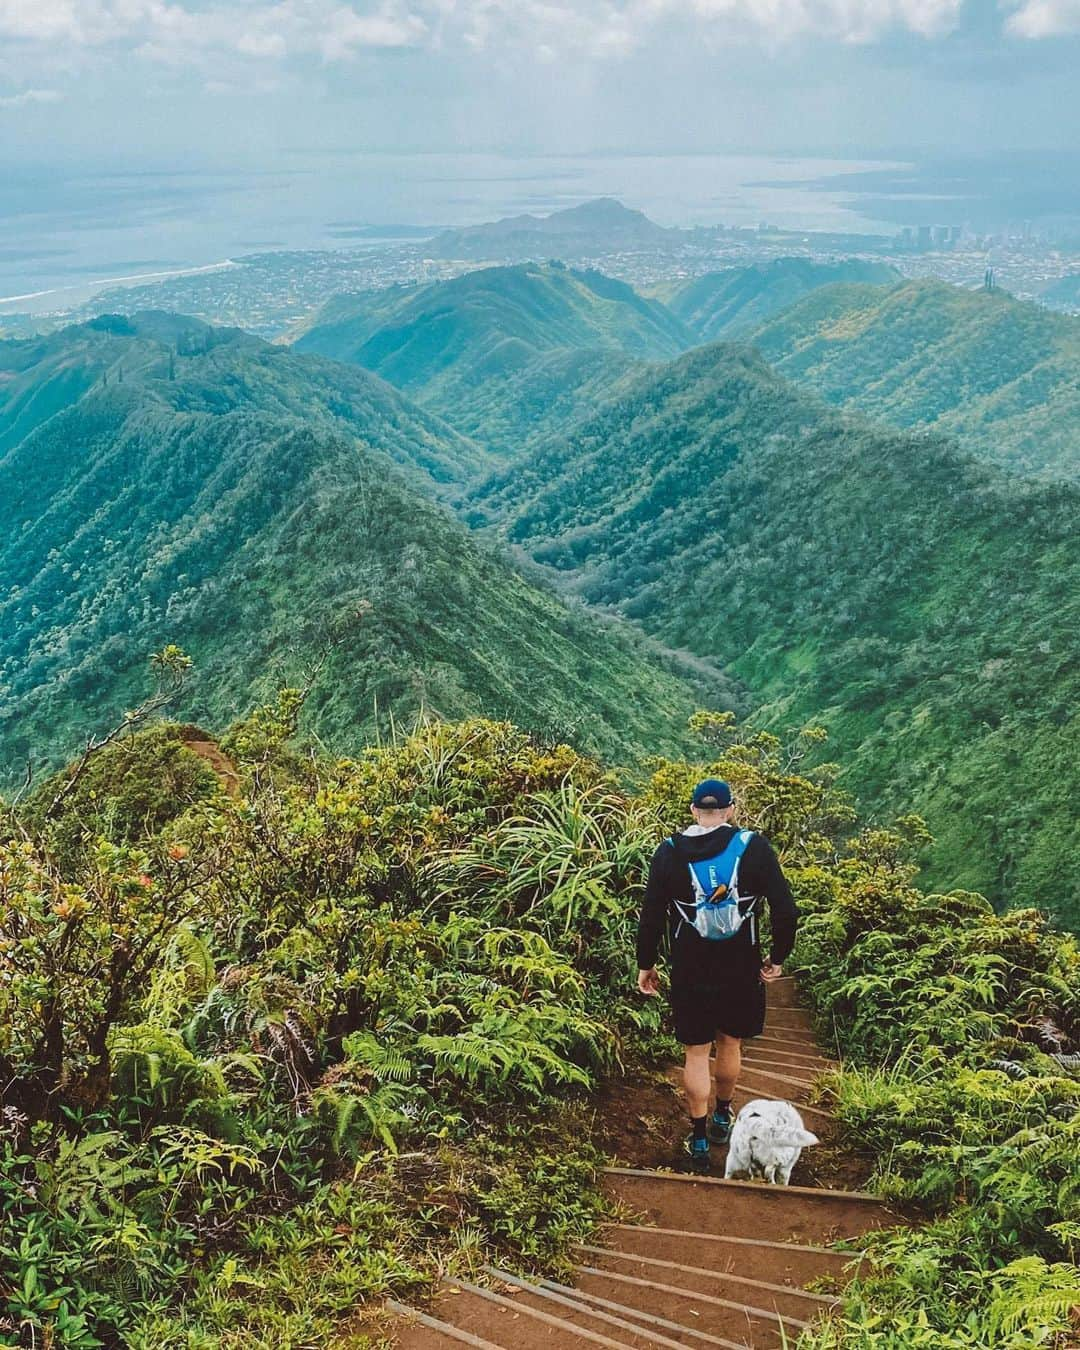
pixel 690 1260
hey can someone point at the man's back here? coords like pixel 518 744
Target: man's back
pixel 718 977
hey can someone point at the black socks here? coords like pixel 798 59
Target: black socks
pixel 723 1110
pixel 701 1128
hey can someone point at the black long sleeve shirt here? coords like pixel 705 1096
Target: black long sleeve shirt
pixel 699 960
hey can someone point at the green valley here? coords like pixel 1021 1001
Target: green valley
pixel 817 566
pixel 494 351
pixel 182 484
pixel 732 302
pixel 922 607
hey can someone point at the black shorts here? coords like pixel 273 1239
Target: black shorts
pixel 734 1006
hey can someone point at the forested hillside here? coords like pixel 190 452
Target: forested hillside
pixel 735 300
pixel 547 395
pixel 200 487
pixel 1064 294
pixel 217 370
pixel 920 605
pixel 357 1015
pixel 998 373
pixel 923 607
pixel 497 338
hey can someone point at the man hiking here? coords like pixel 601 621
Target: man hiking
pixel 706 885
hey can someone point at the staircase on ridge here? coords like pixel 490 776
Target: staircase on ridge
pixel 708 1262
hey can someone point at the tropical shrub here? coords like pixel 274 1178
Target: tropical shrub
pixel 252 1041
pixel 329 1033
pixel 954 1023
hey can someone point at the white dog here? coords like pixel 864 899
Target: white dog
pixel 766 1141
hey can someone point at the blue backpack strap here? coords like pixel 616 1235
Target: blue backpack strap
pixel 741 840
pixel 736 847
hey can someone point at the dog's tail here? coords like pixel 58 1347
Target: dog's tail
pixel 796 1139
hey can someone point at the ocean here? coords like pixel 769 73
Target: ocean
pixel 68 231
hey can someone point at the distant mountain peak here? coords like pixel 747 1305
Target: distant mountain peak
pixel 599 222
pixel 603 211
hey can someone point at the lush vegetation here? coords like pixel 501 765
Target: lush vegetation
pixel 464 345
pixel 270 1056
pixel 170 362
pixel 281 1044
pixel 881 583
pixel 955 1025
pixel 510 354
pixel 732 302
pixel 998 373
pixel 180 482
pixel 921 606
pixel 545 397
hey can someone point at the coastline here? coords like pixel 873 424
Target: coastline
pixel 33 302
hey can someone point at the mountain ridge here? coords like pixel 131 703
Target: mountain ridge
pixel 731 514
pixel 731 302
pixel 996 372
pixel 171 508
pixel 492 339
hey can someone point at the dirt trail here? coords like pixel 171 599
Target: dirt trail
pixel 699 1261
pixel 200 743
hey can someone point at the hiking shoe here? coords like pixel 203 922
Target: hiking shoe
pixel 696 1153
pixel 719 1128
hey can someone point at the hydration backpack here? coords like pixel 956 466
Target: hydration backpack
pixel 719 910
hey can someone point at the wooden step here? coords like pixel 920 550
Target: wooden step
pixel 716 1263
pixel 787 1077
pixel 730 1318
pixel 789 1020
pixel 781 1059
pixel 656 1325
pixel 807 1214
pixel 783 993
pixel 802 1077
pixel 797 1035
pixel 609 1317
pixel 514 1324
pixel 417 1330
pixel 792 1263
pixel 786 1300
pixel 768 1045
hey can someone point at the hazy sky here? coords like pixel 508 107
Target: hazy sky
pixel 228 79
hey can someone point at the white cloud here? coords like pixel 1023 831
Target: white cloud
pixel 212 36
pixel 336 29
pixel 78 22
pixel 616 26
pixel 1044 18
pixel 256 29
pixel 30 96
pixel 846 20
